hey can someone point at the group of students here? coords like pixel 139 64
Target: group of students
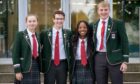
pixel 87 55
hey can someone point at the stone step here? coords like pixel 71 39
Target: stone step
pixel 109 83
pixel 132 77
pixel 8 68
pixel 129 83
pixel 133 67
pixel 128 77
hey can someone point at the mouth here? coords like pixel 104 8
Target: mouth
pixel 83 32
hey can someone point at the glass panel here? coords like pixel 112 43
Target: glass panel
pixel 83 10
pixel 44 9
pixel 131 17
pixel 8 25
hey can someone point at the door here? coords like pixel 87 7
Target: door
pixel 8 26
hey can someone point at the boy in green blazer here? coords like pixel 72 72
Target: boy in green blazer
pixel 111 44
pixel 55 57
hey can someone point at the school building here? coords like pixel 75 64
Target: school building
pixel 12 19
pixel 13 12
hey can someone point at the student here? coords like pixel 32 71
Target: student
pixel 55 51
pixel 81 62
pixel 26 51
pixel 111 45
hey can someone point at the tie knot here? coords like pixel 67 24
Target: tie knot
pixel 82 41
pixel 57 32
pixel 103 22
pixel 33 35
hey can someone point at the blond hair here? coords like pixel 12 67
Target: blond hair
pixel 103 4
pixel 31 15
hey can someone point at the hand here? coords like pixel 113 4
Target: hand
pixel 123 67
pixel 19 76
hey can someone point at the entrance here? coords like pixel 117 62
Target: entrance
pixel 8 26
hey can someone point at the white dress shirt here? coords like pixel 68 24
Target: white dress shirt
pixel 61 44
pixel 30 37
pixel 78 52
pixel 98 36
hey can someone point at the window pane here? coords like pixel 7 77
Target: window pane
pixel 44 9
pixel 83 10
pixel 8 25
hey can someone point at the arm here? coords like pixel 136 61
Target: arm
pixel 16 56
pixel 17 53
pixel 124 41
pixel 125 48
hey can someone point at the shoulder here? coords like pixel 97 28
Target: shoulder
pixel 45 31
pixel 91 25
pixel 19 33
pixel 118 21
pixel 66 30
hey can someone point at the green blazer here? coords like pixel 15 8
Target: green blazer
pixel 22 54
pixel 46 43
pixel 116 42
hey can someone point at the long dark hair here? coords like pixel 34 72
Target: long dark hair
pixel 75 37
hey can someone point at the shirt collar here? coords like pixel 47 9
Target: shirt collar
pixel 106 20
pixel 55 30
pixel 29 33
pixel 85 40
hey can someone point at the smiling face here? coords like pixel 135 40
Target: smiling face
pixel 103 10
pixel 31 22
pixel 58 21
pixel 82 30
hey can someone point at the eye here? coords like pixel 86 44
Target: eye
pixel 34 20
pixel 101 9
pixel 106 9
pixel 29 21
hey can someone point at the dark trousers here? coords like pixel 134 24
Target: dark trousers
pixel 56 74
pixel 103 69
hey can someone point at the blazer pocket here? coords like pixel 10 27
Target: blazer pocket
pixel 21 58
pixel 118 50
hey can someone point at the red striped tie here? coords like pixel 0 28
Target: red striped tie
pixel 102 35
pixel 56 51
pixel 83 53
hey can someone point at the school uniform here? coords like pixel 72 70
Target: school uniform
pixel 114 52
pixel 55 73
pixel 79 73
pixel 23 60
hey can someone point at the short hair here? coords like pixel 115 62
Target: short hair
pixel 103 4
pixel 31 15
pixel 58 12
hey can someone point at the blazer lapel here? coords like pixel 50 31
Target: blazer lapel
pixel 95 32
pixel 37 36
pixel 64 38
pixel 109 28
pixel 50 34
pixel 26 37
pixel 88 50
pixel 38 40
pixel 75 48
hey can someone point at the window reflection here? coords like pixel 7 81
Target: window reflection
pixel 131 17
pixel 44 9
pixel 83 10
